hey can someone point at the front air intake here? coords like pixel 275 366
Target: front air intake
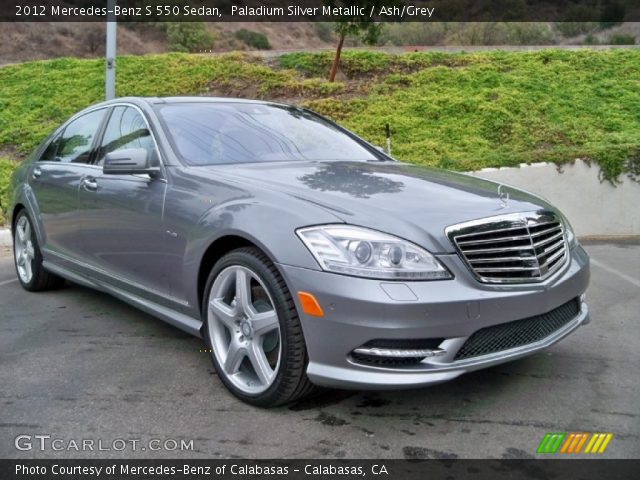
pixel 506 336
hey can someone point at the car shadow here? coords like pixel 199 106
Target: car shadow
pixel 468 394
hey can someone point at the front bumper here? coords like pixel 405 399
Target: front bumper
pixel 357 311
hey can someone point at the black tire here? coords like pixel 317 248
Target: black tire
pixel 291 382
pixel 41 279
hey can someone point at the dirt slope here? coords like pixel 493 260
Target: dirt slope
pixel 20 42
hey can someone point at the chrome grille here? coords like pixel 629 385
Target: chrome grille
pixel 513 248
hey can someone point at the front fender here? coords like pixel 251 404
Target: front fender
pixel 268 225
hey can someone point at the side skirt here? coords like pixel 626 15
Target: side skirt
pixel 172 317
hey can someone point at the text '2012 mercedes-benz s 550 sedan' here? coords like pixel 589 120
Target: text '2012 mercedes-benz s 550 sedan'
pixel 303 255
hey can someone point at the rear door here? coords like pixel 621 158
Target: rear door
pixel 55 179
pixel 121 216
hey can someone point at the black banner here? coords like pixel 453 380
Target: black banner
pixel 607 11
pixel 330 469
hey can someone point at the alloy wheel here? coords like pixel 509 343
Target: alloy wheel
pixel 24 250
pixel 244 329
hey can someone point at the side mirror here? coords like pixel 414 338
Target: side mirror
pixel 128 161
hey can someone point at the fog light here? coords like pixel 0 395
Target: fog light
pixel 400 352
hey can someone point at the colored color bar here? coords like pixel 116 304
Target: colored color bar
pixel 551 442
pixel 576 440
pixel 543 443
pixel 558 442
pixel 594 437
pixel 583 439
pixel 605 442
pixel 568 443
pixel 596 446
pixel 572 443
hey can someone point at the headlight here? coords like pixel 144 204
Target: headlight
pixel 366 253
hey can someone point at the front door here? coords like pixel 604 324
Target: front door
pixel 121 216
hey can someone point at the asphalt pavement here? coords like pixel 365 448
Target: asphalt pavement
pixel 77 365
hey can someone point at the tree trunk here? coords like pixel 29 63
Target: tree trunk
pixel 336 59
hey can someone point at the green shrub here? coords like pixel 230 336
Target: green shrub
pixel 460 111
pixel 256 40
pixel 188 36
pixel 591 40
pixel 6 169
pixel 309 64
pixel 34 96
pixel 621 39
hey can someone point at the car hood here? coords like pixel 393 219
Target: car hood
pixel 412 202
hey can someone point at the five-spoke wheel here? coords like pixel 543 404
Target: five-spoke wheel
pixel 23 249
pixel 244 329
pixel 28 259
pixel 251 325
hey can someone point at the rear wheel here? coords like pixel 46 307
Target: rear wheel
pixel 253 329
pixel 28 258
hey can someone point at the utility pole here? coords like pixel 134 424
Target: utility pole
pixel 110 74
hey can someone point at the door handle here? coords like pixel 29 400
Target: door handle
pixel 90 183
pixel 37 172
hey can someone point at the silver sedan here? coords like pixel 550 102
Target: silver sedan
pixel 302 255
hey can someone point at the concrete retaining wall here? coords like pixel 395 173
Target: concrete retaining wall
pixel 594 208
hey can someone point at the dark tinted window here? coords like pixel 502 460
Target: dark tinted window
pixel 75 143
pixel 51 152
pixel 126 129
pixel 214 133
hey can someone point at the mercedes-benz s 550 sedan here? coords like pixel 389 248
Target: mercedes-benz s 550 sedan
pixel 303 255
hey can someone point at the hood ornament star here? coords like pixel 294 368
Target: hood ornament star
pixel 503 196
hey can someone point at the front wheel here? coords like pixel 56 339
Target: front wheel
pixel 253 330
pixel 28 258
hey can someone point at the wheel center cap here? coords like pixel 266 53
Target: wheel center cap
pixel 246 329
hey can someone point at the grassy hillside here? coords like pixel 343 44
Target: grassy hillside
pixel 457 111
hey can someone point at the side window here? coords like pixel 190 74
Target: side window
pixel 51 152
pixel 75 143
pixel 127 129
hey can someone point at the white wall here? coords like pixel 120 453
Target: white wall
pixel 594 208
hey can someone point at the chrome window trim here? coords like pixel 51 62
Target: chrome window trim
pixel 109 108
pixel 60 131
pixel 511 221
pixel 146 122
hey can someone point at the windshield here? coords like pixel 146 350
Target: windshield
pixel 218 133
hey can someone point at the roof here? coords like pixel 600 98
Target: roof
pixel 186 99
